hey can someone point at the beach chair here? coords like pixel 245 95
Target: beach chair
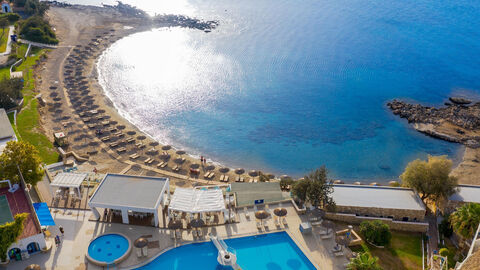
pixel 164 164
pixel 199 233
pixel 247 214
pixel 225 179
pixel 237 179
pixel 212 175
pixel 179 235
pixel 150 161
pixel 172 234
pixel 284 221
pixel 106 138
pixel 147 160
pixel 206 175
pixel 259 226
pixel 139 253
pixel 276 221
pixel 222 177
pixel 242 179
pixel 145 251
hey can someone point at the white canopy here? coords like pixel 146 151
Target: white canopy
pixel 69 180
pixel 192 200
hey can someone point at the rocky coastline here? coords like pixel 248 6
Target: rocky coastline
pixel 458 121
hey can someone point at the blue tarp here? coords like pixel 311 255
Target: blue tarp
pixel 43 214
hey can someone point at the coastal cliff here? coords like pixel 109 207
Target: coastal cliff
pixel 458 121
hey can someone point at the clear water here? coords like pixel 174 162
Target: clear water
pixel 263 252
pixel 107 248
pixel 286 86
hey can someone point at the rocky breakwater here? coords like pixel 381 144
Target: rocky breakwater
pixel 458 121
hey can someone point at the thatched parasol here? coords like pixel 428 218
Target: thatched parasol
pixel 210 167
pixel 140 242
pixel 131 132
pixel 224 170
pixel 197 223
pixel 280 212
pixel 262 214
pixel 180 152
pixel 357 183
pixel 374 184
pixel 141 137
pixel 121 127
pixel 154 144
pixel 270 176
pixel 195 166
pixel 166 147
pixel 33 267
pixel 338 182
pixel 253 173
pixel 393 183
pixel 175 224
pixel 239 171
pixel 285 177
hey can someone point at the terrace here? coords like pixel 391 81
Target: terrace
pixel 17 203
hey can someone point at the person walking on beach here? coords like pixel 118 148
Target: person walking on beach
pixel 57 241
pixel 60 228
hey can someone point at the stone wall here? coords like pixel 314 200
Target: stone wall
pixel 394 224
pixel 395 214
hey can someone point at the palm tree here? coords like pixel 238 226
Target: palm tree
pixel 465 219
pixel 364 262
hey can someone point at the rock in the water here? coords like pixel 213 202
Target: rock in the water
pixel 460 101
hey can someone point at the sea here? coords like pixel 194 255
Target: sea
pixel 286 86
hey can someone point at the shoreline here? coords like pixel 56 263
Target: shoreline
pixel 123 27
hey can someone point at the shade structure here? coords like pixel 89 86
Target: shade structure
pixel 357 183
pixel 69 180
pixel 180 152
pixel 280 212
pixel 195 166
pixel 262 214
pixel 338 182
pixel 43 213
pixel 131 132
pixel 197 223
pixel 224 170
pixel 166 147
pixel 140 242
pixel 33 267
pixel 175 224
pixel 154 144
pixel 141 137
pixel 239 171
pixel 253 173
pixel 210 167
pixel 197 200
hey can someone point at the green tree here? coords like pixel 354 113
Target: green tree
pixel 3 24
pixel 10 232
pixel 363 261
pixel 430 178
pixel 24 156
pixel 314 188
pixel 285 182
pixel 465 220
pixel 37 29
pixel 19 3
pixel 35 7
pixel 376 232
pixel 10 92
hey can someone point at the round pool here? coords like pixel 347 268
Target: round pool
pixel 109 249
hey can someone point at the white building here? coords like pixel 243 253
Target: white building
pixel 6 131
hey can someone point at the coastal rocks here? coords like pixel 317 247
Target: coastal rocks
pixel 455 123
pixel 460 101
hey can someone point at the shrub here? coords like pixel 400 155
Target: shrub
pixel 376 232
pixel 445 228
pixel 11 17
pixel 10 231
pixel 10 91
pixel 364 261
pixel 285 182
pixel 38 30
pixel 443 252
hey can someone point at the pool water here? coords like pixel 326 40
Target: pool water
pixel 107 248
pixel 261 252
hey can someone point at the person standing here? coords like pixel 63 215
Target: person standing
pixel 60 228
pixel 57 240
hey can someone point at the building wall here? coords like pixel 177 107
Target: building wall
pixel 23 243
pixel 396 214
pixel 394 224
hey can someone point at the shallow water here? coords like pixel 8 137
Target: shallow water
pixel 287 87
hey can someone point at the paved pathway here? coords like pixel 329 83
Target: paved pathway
pixel 432 233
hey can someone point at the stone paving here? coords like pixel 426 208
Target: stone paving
pixel 79 231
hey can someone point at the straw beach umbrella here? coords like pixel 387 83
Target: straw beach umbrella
pixel 280 212
pixel 166 147
pixel 175 224
pixel 239 171
pixel 197 223
pixel 33 267
pixel 140 242
pixel 253 173
pixel 131 132
pixel 262 214
pixel 180 152
pixel 210 167
pixel 194 165
pixel 224 170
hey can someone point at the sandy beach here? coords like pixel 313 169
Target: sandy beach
pixel 84 33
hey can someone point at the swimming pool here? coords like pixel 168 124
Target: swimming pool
pixel 108 249
pixel 261 252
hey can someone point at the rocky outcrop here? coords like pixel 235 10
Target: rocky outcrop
pixel 455 123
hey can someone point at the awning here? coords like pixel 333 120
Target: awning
pixel 43 213
pixel 193 200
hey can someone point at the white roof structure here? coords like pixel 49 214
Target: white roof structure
pixel 69 180
pixel 466 193
pixel 194 200
pixel 376 197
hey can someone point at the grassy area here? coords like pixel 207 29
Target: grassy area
pixel 404 252
pixel 4 40
pixel 28 124
pixel 4 73
pixel 11 118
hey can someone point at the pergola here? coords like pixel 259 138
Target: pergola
pixel 69 180
pixel 129 193
pixel 197 200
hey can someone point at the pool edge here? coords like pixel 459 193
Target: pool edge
pixel 117 261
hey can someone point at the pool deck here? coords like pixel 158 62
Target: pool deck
pixel 79 231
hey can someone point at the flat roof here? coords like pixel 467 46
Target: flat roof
pixel 6 130
pixel 247 193
pixel 378 197
pixel 69 180
pixel 197 200
pixel 129 191
pixel 466 193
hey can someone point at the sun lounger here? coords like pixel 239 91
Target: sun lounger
pixel 277 222
pixel 145 251
pixel 247 214
pixel 284 221
pixel 113 144
pixel 106 123
pixel 316 223
pixel 86 119
pixel 106 138
pixel 150 161
pixel 179 235
pixel 199 233
pixel 147 160
pixel 206 175
pixel 250 180
pixel 121 149
pixel 211 175
pixel 172 234
pixel 134 156
pixel 259 226
pixel 91 126
pixel 237 179
pixel 163 165
pixel 139 253
pixel 225 179
pixel 242 179
pixel 221 177
pixel 130 139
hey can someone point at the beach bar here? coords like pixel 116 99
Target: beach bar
pixel 130 197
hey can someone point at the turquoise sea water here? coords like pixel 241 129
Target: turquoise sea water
pixel 287 86
pixel 107 248
pixel 262 252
